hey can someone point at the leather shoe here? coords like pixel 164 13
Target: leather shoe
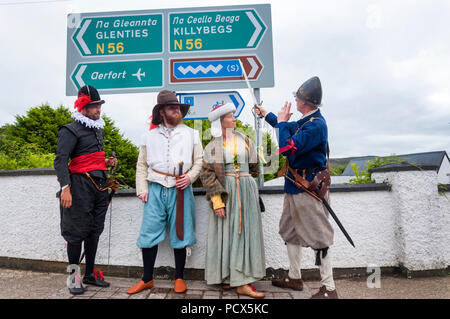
pixel 92 280
pixel 250 291
pixel 140 286
pixel 77 290
pixel 288 282
pixel 324 293
pixel 179 286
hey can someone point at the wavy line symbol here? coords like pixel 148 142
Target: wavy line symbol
pixel 200 68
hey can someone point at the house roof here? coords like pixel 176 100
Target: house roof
pixel 420 159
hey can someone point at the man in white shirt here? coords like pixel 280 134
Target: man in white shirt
pixel 170 160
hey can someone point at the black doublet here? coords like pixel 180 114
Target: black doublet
pixel 75 139
pixel 86 217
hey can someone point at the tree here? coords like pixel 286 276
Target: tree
pixel 37 132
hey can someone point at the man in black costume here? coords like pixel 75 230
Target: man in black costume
pixel 83 181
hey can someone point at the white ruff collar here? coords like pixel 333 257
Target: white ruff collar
pixel 98 124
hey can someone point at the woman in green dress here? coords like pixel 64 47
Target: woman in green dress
pixel 235 247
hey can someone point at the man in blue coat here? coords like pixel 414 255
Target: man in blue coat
pixel 304 221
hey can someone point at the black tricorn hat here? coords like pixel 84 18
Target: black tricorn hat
pixel 167 97
pixel 92 92
pixel 310 92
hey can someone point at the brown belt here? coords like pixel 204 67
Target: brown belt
pixel 239 196
pixel 167 174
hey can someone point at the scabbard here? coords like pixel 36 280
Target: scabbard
pixel 180 214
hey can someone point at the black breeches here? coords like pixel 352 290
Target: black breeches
pixel 86 217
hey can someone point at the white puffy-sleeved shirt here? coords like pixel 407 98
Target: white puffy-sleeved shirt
pixel 162 149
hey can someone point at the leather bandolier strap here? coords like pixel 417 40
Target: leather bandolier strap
pixel 320 184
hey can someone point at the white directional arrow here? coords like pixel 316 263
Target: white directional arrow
pixel 258 28
pixel 255 67
pixel 80 37
pixel 79 74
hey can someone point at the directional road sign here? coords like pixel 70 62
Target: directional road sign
pixel 215 30
pixel 202 103
pixel 119 75
pixel 120 35
pixel 214 69
pixel 192 49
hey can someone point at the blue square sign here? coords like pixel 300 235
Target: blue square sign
pixel 189 100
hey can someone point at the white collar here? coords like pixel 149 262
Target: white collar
pixel 170 131
pixel 98 124
pixel 309 113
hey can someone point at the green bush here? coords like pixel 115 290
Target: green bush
pixel 365 176
pixel 16 156
pixel 338 170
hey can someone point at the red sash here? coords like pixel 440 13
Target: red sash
pixel 88 162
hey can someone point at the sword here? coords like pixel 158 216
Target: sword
pixel 327 206
pixel 180 206
pixel 113 190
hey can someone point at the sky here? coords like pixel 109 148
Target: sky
pixel 384 67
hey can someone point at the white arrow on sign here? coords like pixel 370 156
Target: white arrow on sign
pixel 80 37
pixel 202 103
pixel 258 28
pixel 255 67
pixel 79 74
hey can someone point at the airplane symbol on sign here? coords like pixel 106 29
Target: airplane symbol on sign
pixel 138 74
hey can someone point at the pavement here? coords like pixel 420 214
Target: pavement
pixel 19 284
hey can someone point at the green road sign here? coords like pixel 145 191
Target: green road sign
pixel 119 75
pixel 192 49
pixel 215 30
pixel 120 35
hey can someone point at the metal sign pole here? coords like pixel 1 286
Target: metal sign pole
pixel 258 137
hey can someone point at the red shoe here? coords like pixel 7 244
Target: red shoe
pixel 179 286
pixel 139 287
pixel 249 290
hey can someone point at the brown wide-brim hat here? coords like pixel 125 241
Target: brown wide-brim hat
pixel 166 97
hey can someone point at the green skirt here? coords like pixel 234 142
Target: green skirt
pixel 234 258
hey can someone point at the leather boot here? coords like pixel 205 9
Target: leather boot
pixel 92 279
pixel 75 287
pixel 324 293
pixel 288 282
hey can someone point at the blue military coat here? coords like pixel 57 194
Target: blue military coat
pixel 304 143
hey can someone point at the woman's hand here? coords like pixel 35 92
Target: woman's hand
pixel 220 212
pixel 143 197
